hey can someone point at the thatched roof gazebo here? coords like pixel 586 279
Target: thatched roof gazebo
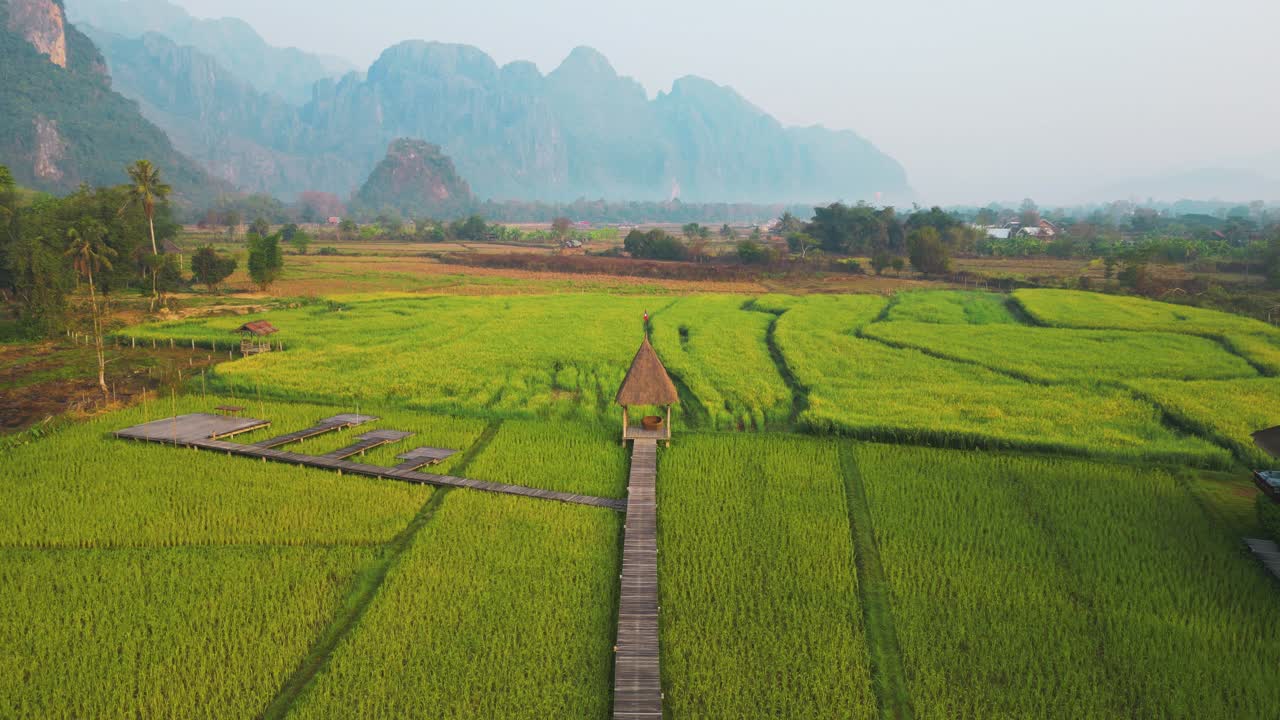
pixel 647 384
pixel 1268 481
pixel 1268 441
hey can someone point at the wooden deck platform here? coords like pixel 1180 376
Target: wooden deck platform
pixel 1267 552
pixel 635 432
pixel 637 682
pixel 195 426
pixel 367 442
pixel 199 431
pixel 327 425
pixel 422 456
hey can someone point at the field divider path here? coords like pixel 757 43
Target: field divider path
pixel 637 680
pixel 799 393
pixel 364 589
pixel 888 676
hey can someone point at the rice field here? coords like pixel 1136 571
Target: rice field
pixel 1231 410
pixel 1063 561
pixel 759 591
pixel 78 488
pixel 145 633
pixel 502 608
pixel 1054 355
pixel 951 307
pixel 570 457
pixel 1057 588
pixel 866 389
pixel 717 349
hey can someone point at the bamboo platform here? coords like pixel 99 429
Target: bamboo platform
pixel 204 432
pixel 1267 552
pixel 637 682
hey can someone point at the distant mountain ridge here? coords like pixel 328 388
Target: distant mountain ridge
pixel 513 133
pixel 61 124
pixel 287 72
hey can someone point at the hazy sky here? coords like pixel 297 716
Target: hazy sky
pixel 979 99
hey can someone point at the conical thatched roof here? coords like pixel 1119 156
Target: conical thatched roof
pixel 1269 441
pixel 647 382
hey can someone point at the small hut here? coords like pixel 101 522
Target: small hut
pixel 647 384
pixel 1268 481
pixel 255 337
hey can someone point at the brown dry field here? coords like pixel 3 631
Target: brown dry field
pixel 314 275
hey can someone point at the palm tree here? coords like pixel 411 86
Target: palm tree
pixel 89 252
pixel 146 189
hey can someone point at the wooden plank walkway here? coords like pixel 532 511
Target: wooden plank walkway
pixel 637 682
pixel 191 433
pixel 327 425
pixel 1267 552
pixel 367 442
pixel 418 457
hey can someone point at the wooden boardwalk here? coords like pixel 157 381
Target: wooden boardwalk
pixel 637 682
pixel 367 442
pixel 421 456
pixel 199 431
pixel 327 425
pixel 1267 552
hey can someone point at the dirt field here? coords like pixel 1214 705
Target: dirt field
pixel 42 380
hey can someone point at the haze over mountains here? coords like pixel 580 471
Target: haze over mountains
pixel 241 113
pixel 60 122
pixel 235 104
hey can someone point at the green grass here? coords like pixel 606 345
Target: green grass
pixel 502 608
pixel 144 633
pixel 759 595
pixel 1053 588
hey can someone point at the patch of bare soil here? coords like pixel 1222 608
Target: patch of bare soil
pixel 45 380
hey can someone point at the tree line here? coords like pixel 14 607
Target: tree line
pixel 105 242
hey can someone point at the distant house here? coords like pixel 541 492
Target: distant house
pixel 335 221
pixel 169 247
pixel 1043 230
pixel 998 233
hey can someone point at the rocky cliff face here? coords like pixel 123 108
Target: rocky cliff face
pixel 286 73
pixel 414 179
pixel 60 122
pixel 580 131
pixel 42 24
